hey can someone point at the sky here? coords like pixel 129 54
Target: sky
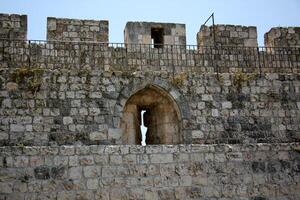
pixel 261 13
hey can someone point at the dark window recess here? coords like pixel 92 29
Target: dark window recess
pixel 157 37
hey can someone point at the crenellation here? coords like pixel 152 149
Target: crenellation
pixel 140 33
pixel 283 37
pixel 227 35
pixel 77 30
pixel 13 26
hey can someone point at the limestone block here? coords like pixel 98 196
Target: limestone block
pixel 75 172
pixel 67 120
pixel 226 105
pixel 252 33
pixel 67 150
pixel 86 160
pixel 51 24
pixel 207 97
pixel 94 111
pixel 197 134
pixel 114 133
pixel 11 86
pixel 250 43
pixel 298 105
pixel 73 161
pixel 92 184
pixel 6 188
pixel 146 39
pixel 215 112
pixel 151 194
pixel 3 135
pixel 243 34
pixel 98 135
pixel 161 158
pixel 169 39
pixel 17 128
pixel 201 105
pixel 91 171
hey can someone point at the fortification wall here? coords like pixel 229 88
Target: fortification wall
pixel 68 92
pixel 261 171
pixel 13 26
pixel 71 92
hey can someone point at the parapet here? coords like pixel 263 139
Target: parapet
pixel 13 26
pixel 283 37
pixel 155 33
pixel 227 35
pixel 77 30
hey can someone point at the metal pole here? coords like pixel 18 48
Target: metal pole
pixel 214 34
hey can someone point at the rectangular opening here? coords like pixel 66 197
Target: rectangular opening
pixel 157 37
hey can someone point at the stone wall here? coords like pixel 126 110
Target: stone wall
pixel 210 172
pixel 140 33
pixel 283 37
pixel 13 26
pixel 59 93
pixel 77 30
pixel 227 35
pixel 49 97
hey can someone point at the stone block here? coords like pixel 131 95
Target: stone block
pixel 67 150
pixel 6 188
pixel 197 134
pixel 114 133
pixel 91 171
pixel 67 120
pixel 115 159
pixel 161 158
pixel 3 136
pixel 250 43
pixel 92 184
pixel 98 135
pixel 75 172
pixel 215 113
pixel 17 128
pixel 42 172
pixel 86 160
pixel 226 105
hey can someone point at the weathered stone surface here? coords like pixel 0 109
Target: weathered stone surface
pixel 283 37
pixel 227 35
pixel 98 135
pixel 42 172
pixel 142 33
pixel 77 30
pixel 202 171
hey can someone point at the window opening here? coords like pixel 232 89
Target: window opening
pixel 157 37
pixel 143 128
pixel 150 117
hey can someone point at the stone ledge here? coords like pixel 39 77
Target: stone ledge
pixel 149 149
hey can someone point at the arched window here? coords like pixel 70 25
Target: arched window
pixel 162 117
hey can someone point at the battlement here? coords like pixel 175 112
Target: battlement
pixel 283 37
pixel 157 34
pixel 77 30
pixel 152 33
pixel 227 35
pixel 13 26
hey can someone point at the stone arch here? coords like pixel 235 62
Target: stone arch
pixel 166 102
